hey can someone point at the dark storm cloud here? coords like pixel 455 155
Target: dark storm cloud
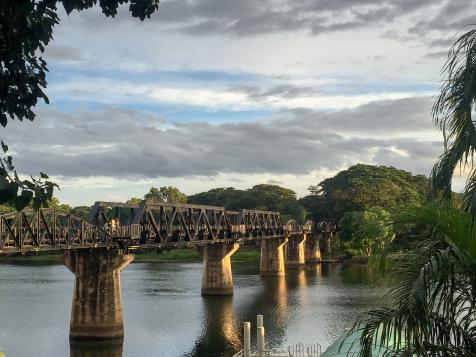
pixel 126 144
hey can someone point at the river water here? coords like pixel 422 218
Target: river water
pixel 164 314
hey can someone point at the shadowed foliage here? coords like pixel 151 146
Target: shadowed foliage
pixel 432 302
pixel 452 112
pixel 26 29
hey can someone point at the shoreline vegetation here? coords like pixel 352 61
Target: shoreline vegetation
pixel 180 255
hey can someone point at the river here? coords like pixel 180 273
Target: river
pixel 164 314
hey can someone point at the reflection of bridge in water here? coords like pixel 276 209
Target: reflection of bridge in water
pixel 98 248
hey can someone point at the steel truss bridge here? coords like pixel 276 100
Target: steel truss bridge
pixel 146 225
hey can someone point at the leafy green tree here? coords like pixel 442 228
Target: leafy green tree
pixel 431 305
pixel 134 200
pixel 26 29
pixel 362 187
pixel 56 204
pixel 18 193
pixel 228 197
pixel 81 211
pixel 368 231
pixel 264 196
pixel 166 194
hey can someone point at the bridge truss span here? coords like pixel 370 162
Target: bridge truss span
pixel 48 229
pixel 145 225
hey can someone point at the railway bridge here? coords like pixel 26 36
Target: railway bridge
pixel 97 248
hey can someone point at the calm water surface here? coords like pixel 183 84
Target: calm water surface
pixel 164 314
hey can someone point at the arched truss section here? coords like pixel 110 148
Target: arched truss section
pixel 168 222
pixel 310 227
pixel 163 222
pixel 292 227
pixel 48 229
pixel 258 223
pixel 322 227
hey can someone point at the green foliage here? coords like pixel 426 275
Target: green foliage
pixel 228 197
pixel 56 204
pixel 368 231
pixel 453 114
pixel 265 197
pixel 17 193
pixel 134 201
pixel 362 187
pixel 81 211
pixel 166 194
pixel 26 29
pixel 431 303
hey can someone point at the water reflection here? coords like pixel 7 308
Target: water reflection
pixel 166 316
pixel 220 331
pixel 90 349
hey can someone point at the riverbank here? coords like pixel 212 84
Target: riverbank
pixel 180 255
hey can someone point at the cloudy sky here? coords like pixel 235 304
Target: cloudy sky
pixel 211 93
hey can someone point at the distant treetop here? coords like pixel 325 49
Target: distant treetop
pixel 362 187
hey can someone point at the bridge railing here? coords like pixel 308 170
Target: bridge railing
pixel 148 223
pixel 48 229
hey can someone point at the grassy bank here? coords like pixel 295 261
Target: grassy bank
pixel 37 257
pixel 191 255
pixel 171 255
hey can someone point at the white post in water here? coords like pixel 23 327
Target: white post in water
pixel 247 337
pixel 260 341
pixel 259 322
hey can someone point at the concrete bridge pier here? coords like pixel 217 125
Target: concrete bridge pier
pixel 272 257
pixel 96 312
pixel 217 277
pixel 328 245
pixel 295 250
pixel 312 250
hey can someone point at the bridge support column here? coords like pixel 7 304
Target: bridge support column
pixel 312 251
pixel 295 250
pixel 217 277
pixel 96 312
pixel 272 257
pixel 328 246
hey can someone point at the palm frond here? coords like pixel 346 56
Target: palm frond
pixel 432 312
pixel 452 113
pixel 432 303
pixel 469 194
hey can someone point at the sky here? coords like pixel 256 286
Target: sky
pixel 219 93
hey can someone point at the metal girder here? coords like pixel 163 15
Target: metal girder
pixel 148 224
pixel 48 229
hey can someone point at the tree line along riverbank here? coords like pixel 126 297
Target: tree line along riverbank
pixel 179 255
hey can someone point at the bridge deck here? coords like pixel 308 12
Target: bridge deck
pixel 148 225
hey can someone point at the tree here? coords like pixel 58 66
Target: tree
pixel 134 200
pixel 18 193
pixel 81 211
pixel 431 304
pixel 56 204
pixel 26 29
pixel 452 112
pixel 264 196
pixel 362 187
pixel 166 194
pixel 368 231
pixel 431 310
